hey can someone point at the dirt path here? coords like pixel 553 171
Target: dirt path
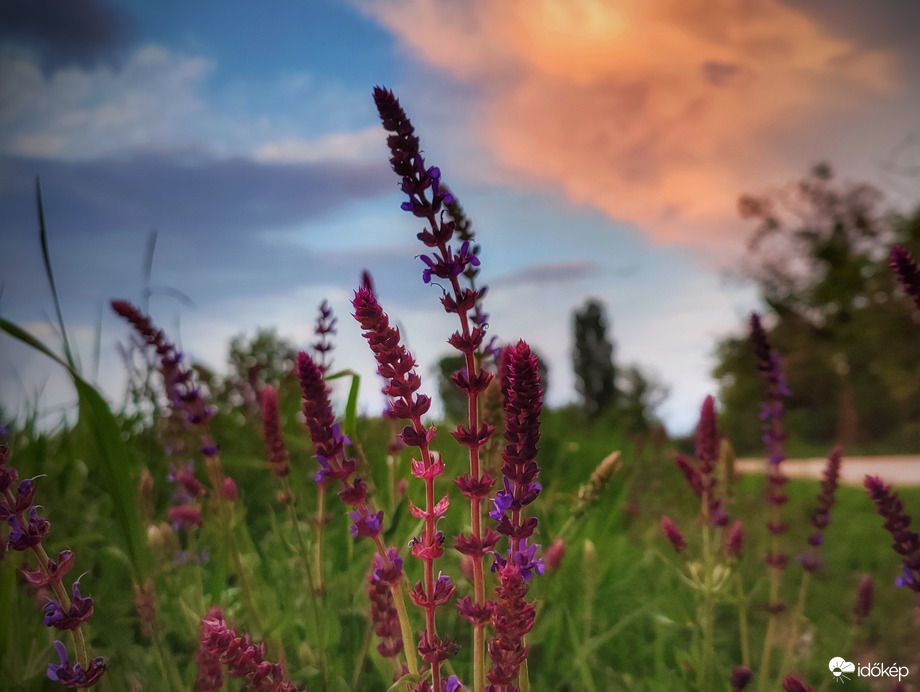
pixel 897 470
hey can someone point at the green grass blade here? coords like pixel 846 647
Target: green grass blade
pixel 46 258
pixel 350 424
pixel 22 335
pixel 114 473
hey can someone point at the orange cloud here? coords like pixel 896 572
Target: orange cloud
pixel 658 112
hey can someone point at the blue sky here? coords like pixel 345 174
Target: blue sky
pixel 599 147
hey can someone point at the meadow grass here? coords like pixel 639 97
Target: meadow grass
pixel 614 610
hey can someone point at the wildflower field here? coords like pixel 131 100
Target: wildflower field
pixel 290 543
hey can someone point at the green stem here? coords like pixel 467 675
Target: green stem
pixel 797 618
pixel 305 560
pixel 399 602
pixel 170 673
pixel 708 607
pixel 743 622
pixel 763 676
pixel 320 524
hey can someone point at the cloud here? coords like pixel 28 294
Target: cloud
pixel 550 272
pixel 226 226
pixel 65 33
pixel 364 145
pixel 655 112
pixel 150 102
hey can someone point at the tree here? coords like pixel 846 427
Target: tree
pixel 255 362
pixel 595 373
pixel 640 396
pixel 848 335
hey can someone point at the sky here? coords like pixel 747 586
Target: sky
pixel 599 147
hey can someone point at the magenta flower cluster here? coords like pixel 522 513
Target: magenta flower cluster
pixel 523 405
pixel 329 448
pixel 220 645
pixel 184 395
pixel 27 530
pixel 700 477
pixel 908 273
pixel 811 559
pixel 188 407
pixel 897 523
pixel 383 576
pixel 768 363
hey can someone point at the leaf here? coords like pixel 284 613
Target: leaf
pixel 46 258
pixel 351 405
pixel 111 454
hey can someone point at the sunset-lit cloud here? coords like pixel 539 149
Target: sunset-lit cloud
pixel 656 112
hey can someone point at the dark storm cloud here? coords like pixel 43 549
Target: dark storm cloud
pixel 553 272
pixel 889 25
pixel 214 219
pixel 64 33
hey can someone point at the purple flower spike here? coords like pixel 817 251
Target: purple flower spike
pixel 328 442
pixel 271 430
pixel 897 523
pixel 512 618
pixel 523 405
pixel 811 559
pixel 673 534
pixel 324 330
pixel 768 363
pixel 907 271
pixel 865 594
pixel 707 437
pixel 184 396
pixel 383 608
pixel 73 675
pixel 734 544
pixel 418 182
pixel 242 658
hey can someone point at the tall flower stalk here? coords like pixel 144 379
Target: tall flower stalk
pixel 335 465
pixel 768 363
pixel 811 558
pixel 64 612
pixel 322 347
pixel 220 646
pixel 897 522
pixel 427 199
pixel 511 616
pixel 189 406
pixel 396 365
pixel 710 575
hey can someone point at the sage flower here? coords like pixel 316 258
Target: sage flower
pixel 897 523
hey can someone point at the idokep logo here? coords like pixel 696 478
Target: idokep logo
pixel 838 666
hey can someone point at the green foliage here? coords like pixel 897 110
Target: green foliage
pixel 263 359
pixel 844 328
pixel 595 373
pixel 609 391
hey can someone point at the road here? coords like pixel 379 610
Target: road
pixel 898 470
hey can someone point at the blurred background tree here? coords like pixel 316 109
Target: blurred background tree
pixel 255 361
pixel 623 395
pixel 848 335
pixel 595 372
